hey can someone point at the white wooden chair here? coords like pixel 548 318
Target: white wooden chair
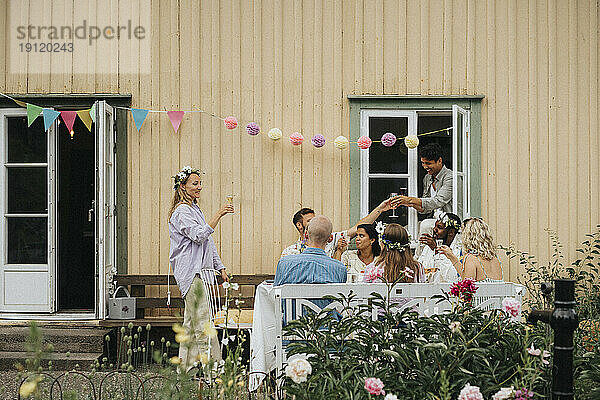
pixel 218 313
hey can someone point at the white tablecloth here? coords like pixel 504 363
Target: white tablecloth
pixel 263 337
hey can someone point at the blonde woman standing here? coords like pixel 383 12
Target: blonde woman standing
pixel 193 250
pixel 480 262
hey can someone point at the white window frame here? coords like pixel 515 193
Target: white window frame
pixel 50 166
pixel 463 170
pixel 411 176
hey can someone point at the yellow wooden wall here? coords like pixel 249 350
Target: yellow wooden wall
pixel 291 64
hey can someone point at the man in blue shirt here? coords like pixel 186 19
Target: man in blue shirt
pixel 313 265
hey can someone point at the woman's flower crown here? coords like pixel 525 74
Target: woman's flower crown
pixel 395 245
pixel 449 222
pixel 184 174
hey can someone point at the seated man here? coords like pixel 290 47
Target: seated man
pixel 438 268
pixel 305 215
pixel 314 265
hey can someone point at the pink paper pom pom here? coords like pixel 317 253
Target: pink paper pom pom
pixel 318 140
pixel 230 122
pixel 364 142
pixel 252 128
pixel 388 139
pixel 296 138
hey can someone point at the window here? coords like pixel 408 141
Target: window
pixel 383 171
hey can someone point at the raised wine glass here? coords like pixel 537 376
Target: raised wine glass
pixel 392 195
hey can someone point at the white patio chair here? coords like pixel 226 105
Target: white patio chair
pixel 218 313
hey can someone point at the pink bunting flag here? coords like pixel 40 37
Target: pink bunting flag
pixel 69 118
pixel 175 117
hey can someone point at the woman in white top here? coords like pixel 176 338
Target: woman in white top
pixel 480 262
pixel 367 248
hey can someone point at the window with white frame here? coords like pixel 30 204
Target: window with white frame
pixel 386 171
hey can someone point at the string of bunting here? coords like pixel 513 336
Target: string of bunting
pixel 139 115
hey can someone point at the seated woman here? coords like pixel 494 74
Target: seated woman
pixel 395 263
pixel 367 248
pixel 480 262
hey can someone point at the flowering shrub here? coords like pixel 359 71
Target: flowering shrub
pixel 415 357
pixel 464 290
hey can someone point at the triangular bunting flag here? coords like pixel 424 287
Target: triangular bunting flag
pixel 49 117
pixel 84 116
pixel 175 117
pixel 69 118
pixel 21 103
pixel 93 112
pixel 32 113
pixel 139 116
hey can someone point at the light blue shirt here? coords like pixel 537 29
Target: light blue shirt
pixel 312 266
pixel 192 247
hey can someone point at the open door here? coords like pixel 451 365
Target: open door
pixel 460 162
pixel 27 234
pixel 104 204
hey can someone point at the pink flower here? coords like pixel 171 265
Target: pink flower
pixel 464 290
pixel 512 307
pixel 523 394
pixel 374 273
pixel 374 386
pixel 470 393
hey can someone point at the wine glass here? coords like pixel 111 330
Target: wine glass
pixel 403 191
pixel 230 199
pixel 438 244
pixel 392 195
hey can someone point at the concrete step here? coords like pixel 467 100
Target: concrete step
pixel 60 362
pixel 80 340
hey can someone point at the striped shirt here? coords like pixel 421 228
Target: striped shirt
pixel 192 247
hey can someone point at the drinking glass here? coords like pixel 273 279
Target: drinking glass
pixel 403 191
pixel 230 199
pixel 392 195
pixel 438 244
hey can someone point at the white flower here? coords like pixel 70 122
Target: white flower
pixel 454 326
pixel 225 341
pixel 504 393
pixel 181 176
pixel 235 286
pixel 298 370
pixel 226 285
pixel 533 351
pixel 187 169
pixel 390 396
pixel 380 227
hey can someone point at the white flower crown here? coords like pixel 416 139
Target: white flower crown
pixel 184 174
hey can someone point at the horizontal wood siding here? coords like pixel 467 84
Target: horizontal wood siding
pixel 291 64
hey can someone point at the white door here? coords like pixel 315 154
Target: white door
pixel 27 237
pixel 105 203
pixel 460 162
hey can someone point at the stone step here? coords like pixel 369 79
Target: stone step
pixel 81 340
pixel 60 362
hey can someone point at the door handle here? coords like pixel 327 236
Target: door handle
pixel 91 211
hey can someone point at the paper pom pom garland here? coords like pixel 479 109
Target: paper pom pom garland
pixel 296 138
pixel 364 142
pixel 253 129
pixel 318 140
pixel 341 142
pixel 388 139
pixel 230 122
pixel 275 134
pixel 411 141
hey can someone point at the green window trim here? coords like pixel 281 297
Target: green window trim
pixel 422 103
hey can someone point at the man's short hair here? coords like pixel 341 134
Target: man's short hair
pixel 319 229
pixel 431 152
pixel 302 212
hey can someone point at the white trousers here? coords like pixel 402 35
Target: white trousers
pixel 195 316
